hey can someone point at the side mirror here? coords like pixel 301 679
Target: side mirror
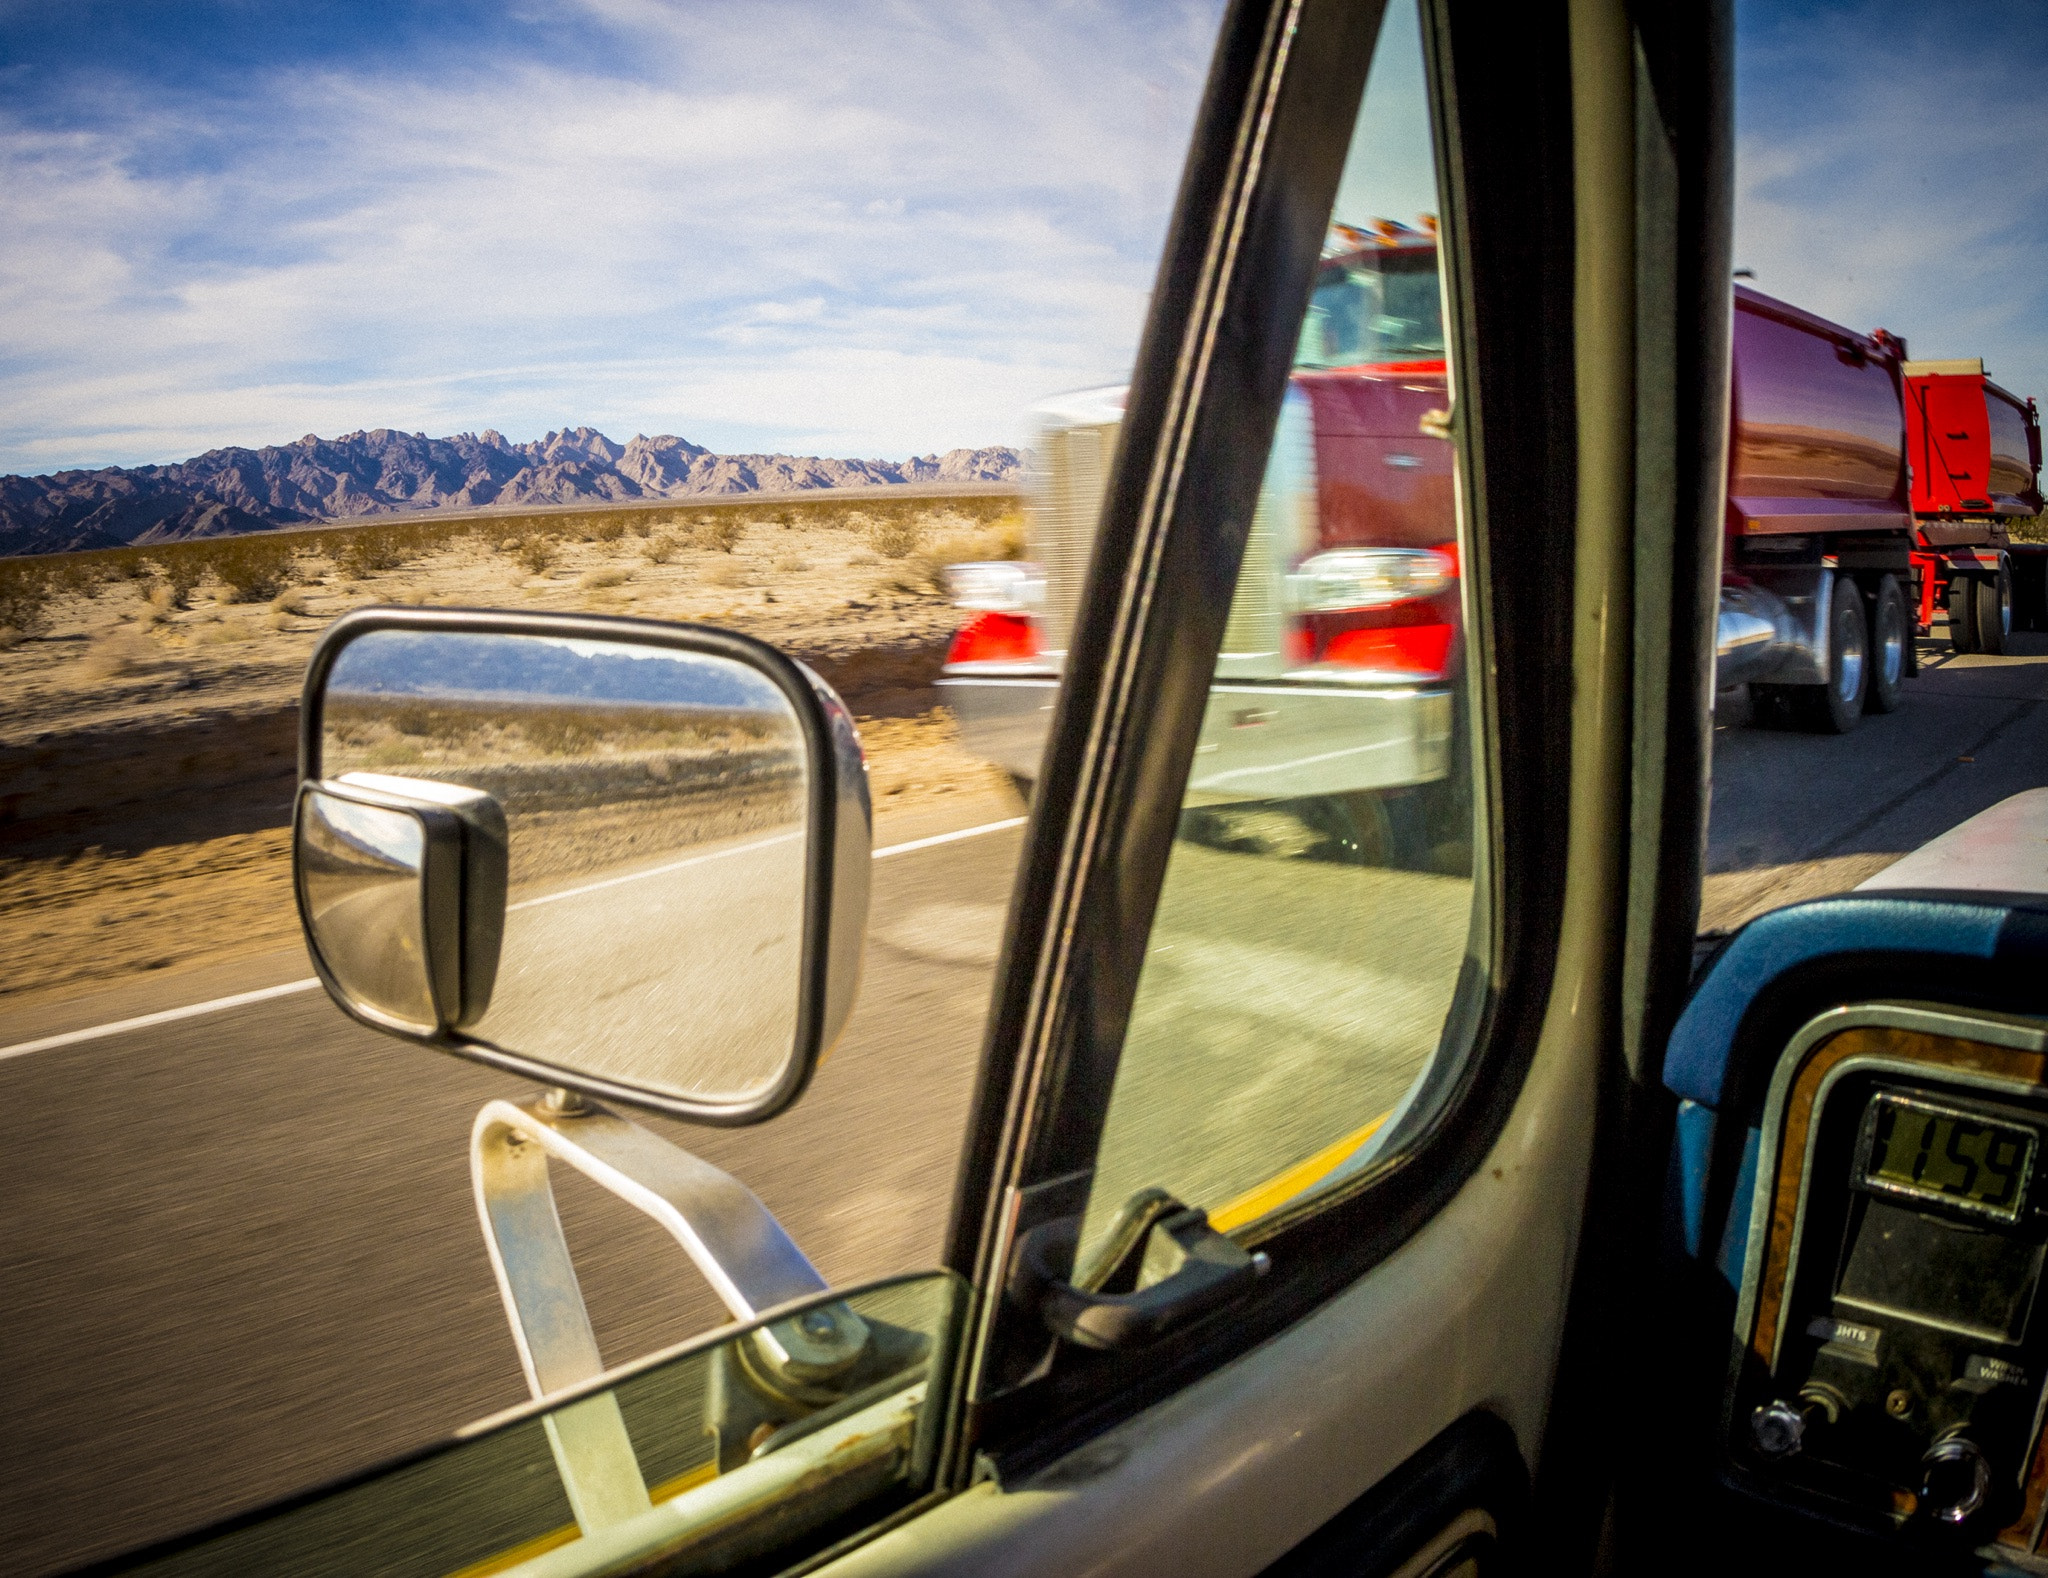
pixel 626 858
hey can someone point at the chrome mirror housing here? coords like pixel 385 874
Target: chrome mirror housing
pixel 624 858
pixel 401 890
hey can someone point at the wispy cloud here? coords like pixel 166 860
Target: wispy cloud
pixel 848 228
pixel 1893 170
pixel 858 228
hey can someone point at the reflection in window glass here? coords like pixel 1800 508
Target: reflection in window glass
pixel 699 1460
pixel 1317 905
pixel 1379 305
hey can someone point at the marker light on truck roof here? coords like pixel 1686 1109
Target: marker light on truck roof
pixel 1346 578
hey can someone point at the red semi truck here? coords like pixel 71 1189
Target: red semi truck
pixel 1339 663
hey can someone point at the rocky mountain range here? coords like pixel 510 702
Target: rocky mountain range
pixel 369 473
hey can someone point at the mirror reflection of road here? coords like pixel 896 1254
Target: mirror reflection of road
pixel 242 1254
pixel 682 965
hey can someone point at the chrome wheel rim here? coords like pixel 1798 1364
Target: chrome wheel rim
pixel 1849 641
pixel 1891 644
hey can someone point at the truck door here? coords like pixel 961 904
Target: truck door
pixel 1272 1236
pixel 1392 1084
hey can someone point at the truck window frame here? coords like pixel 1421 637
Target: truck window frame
pixel 1211 372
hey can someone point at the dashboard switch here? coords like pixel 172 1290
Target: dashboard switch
pixel 1955 1480
pixel 1779 1427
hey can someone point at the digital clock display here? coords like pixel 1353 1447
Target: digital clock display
pixel 1938 1153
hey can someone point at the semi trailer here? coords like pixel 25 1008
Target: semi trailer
pixel 1974 453
pixel 1340 663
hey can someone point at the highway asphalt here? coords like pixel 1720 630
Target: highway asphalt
pixel 242 1255
pixel 1798 815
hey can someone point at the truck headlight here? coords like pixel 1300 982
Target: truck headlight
pixel 1348 578
pixel 1002 586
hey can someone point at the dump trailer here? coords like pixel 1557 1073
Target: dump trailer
pixel 1817 558
pixel 1340 662
pixel 1975 455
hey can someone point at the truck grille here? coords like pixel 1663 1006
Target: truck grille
pixel 1073 471
pixel 1076 441
pixel 1254 627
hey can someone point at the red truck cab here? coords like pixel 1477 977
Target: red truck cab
pixel 1337 676
pixel 1371 365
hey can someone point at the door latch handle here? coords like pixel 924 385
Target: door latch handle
pixel 1204 1271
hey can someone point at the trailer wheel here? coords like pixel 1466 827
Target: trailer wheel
pixel 1991 608
pixel 1962 611
pixel 1837 706
pixel 1891 640
pixel 1361 828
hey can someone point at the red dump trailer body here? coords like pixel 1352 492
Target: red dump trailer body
pixel 1816 570
pixel 1975 452
pixel 1975 448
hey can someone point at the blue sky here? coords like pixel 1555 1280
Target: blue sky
pixel 865 228
pixel 862 228
pixel 1892 170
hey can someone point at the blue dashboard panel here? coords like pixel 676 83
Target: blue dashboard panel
pixel 1927 927
pixel 1783 967
pixel 1692 1157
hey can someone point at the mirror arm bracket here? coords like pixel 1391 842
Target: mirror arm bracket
pixel 742 1251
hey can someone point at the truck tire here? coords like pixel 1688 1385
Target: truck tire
pixel 1991 608
pixel 1962 611
pixel 1891 640
pixel 1362 828
pixel 1837 706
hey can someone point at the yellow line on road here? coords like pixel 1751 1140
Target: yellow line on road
pixel 554 1539
pixel 1297 1180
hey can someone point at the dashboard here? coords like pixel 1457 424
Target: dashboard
pixel 1890 1342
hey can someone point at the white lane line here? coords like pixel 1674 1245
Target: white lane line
pixel 936 839
pixel 652 871
pixel 220 1005
pixel 168 1016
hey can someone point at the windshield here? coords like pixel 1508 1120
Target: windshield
pixel 1373 308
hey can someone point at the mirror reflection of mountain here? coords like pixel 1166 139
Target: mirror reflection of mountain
pixel 225 491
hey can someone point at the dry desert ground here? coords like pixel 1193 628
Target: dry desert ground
pixel 148 697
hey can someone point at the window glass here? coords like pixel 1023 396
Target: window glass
pixel 1373 307
pixel 1317 903
pixel 708 1457
pixel 735 315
